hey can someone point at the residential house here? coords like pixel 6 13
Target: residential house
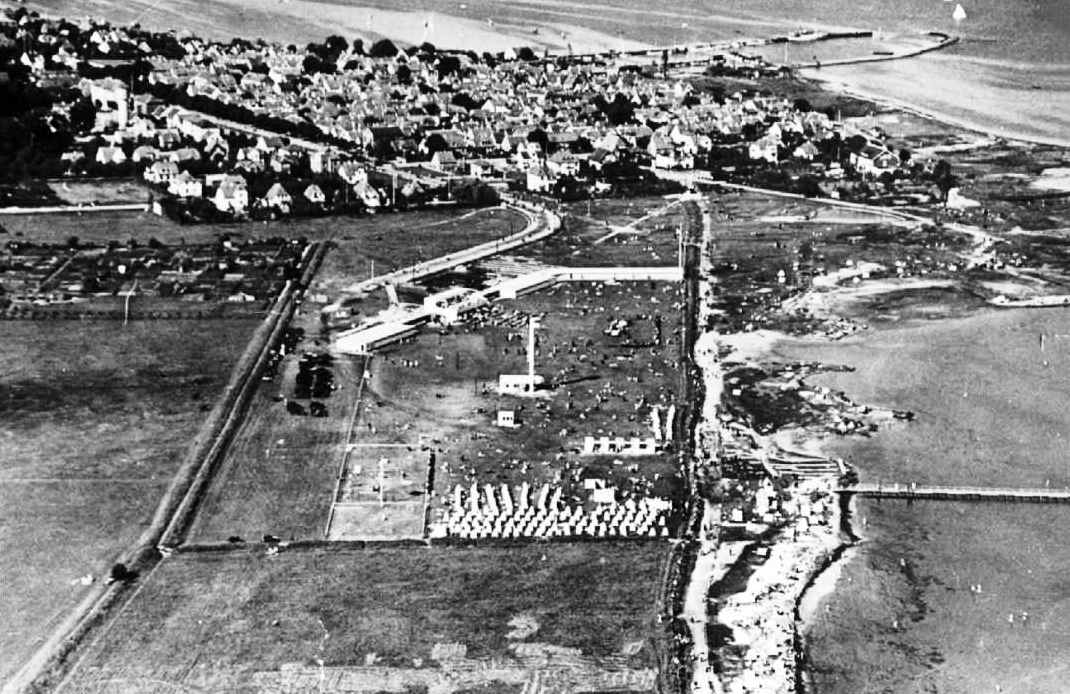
pixel 352 173
pixel 563 163
pixel 110 96
pixel 161 172
pixel 600 158
pixel 873 160
pixel 806 151
pixel 184 154
pixel 185 185
pixel 110 155
pixel 145 153
pixel 314 194
pixel 232 195
pixel 765 148
pixel 277 198
pixel 168 139
pixel 444 161
pixel 539 180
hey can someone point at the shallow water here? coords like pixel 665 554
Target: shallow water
pixel 990 411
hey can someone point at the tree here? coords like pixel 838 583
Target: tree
pixel 384 48
pixel 619 111
pixel 336 44
pixel 465 101
pixel 904 156
pixel 944 179
pixel 83 115
pixel 404 74
pixel 312 64
pixel 526 54
pixel 435 143
pixel 809 186
pixel 538 135
pixel 119 573
pixel 426 47
pixel 856 143
pixel 803 105
pixel 447 65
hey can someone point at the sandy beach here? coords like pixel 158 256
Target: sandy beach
pixel 762 618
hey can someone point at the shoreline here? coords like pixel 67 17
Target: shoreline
pixel 822 587
pixel 764 617
pixel 841 88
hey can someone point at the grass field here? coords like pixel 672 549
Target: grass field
pixel 280 470
pixel 647 234
pixel 388 242
pixel 401 238
pixel 100 192
pixel 94 420
pixel 211 621
pixel 601 385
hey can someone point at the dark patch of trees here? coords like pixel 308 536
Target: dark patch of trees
pixel 619 111
pixel 383 48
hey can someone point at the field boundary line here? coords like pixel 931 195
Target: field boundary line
pixel 344 464
pixel 53 658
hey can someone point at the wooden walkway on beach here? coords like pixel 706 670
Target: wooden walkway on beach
pixel 920 492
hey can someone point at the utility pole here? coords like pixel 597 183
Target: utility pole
pixel 533 324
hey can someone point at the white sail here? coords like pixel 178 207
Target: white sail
pixel 959 14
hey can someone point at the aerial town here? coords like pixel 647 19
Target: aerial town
pixel 375 366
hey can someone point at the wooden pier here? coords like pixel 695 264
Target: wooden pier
pixel 923 492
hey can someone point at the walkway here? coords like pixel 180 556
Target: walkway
pixel 912 491
pixel 541 223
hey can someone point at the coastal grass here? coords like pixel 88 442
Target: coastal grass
pixel 95 419
pixel 213 619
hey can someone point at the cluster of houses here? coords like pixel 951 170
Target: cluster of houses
pixel 230 272
pixel 430 118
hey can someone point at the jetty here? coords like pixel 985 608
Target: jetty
pixel 910 492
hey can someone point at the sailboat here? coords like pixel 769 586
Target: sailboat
pixel 959 14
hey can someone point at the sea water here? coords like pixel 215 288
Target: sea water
pixel 1010 72
pixel 953 597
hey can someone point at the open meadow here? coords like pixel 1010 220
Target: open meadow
pixel 94 420
pixel 390 619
